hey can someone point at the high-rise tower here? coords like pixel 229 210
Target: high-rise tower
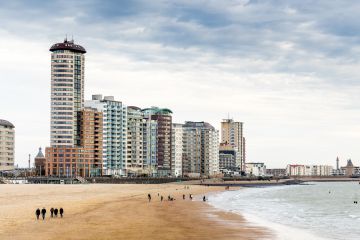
pixel 67 92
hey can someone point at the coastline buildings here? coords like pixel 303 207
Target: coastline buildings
pixel 177 149
pixel 232 134
pixel 308 170
pixel 227 157
pixel 201 149
pixel 75 133
pixel 255 169
pixel 163 118
pixel 40 162
pixel 7 145
pixel 114 132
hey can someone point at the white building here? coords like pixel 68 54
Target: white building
pixel 177 149
pixel 308 170
pixel 255 169
pixel 7 145
pixel 67 92
pixel 201 149
pixel 114 133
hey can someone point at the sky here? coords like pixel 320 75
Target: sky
pixel 288 69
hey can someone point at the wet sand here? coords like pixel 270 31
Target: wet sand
pixel 105 211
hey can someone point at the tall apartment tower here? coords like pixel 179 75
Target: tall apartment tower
pixel 7 142
pixel 177 149
pixel 201 149
pixel 67 92
pixel 114 132
pixel 232 134
pixel 164 123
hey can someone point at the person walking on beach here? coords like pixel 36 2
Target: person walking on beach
pixel 162 198
pixel 184 196
pixel 61 212
pixel 37 213
pixel 51 212
pixel 204 199
pixel 43 213
pixel 56 212
pixel 149 197
pixel 190 196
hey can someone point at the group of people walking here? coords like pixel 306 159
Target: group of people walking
pixel 170 198
pixel 53 213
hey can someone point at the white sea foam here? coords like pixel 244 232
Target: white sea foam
pixel 298 212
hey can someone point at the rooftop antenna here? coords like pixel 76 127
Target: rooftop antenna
pixel 65 40
pixel 72 38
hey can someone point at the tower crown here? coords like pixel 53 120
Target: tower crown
pixel 68 45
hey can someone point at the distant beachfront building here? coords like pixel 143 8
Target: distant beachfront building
pixel 201 149
pixel 134 147
pixel 308 170
pixel 232 134
pixel 85 159
pixel 255 169
pixel 227 157
pixel 7 145
pixel 40 163
pixel 177 148
pixel 350 170
pixel 163 117
pixel 276 172
pixel 114 132
pixel 67 92
pixel 76 132
pixel 150 128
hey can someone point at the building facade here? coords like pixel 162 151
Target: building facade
pixel 67 92
pixel 201 150
pixel 114 132
pixel 163 117
pixel 255 169
pixel 134 147
pixel 150 128
pixel 308 170
pixel 7 145
pixel 177 149
pixel 232 134
pixel 40 163
pixel 227 157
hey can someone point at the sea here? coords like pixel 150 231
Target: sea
pixel 321 210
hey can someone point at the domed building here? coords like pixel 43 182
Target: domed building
pixel 40 161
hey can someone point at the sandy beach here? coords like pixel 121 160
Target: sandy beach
pixel 106 211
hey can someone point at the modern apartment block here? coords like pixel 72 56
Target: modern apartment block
pixel 114 132
pixel 7 145
pixel 84 160
pixel 201 149
pixel 308 170
pixel 227 157
pixel 150 128
pixel 164 122
pixel 255 169
pixel 134 146
pixel 67 92
pixel 177 149
pixel 232 134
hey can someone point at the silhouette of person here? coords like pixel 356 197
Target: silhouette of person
pixel 56 212
pixel 51 212
pixel 204 199
pixel 61 212
pixel 43 213
pixel 190 196
pixel 37 213
pixel 184 196
pixel 149 197
pixel 162 198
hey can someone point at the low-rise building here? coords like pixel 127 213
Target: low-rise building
pixel 227 157
pixel 255 169
pixel 276 172
pixel 308 170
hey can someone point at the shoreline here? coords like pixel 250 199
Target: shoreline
pixel 119 211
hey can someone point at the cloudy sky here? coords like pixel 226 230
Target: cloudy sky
pixel 288 69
